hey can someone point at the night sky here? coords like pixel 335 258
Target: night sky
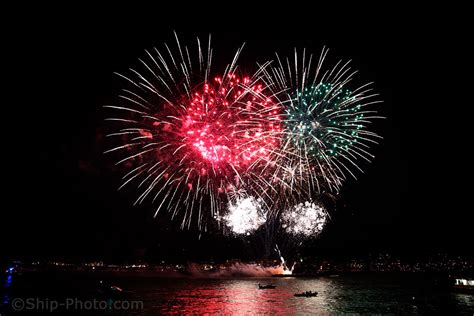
pixel 62 191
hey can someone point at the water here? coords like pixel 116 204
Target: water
pixel 349 294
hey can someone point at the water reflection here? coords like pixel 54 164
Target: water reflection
pixel 6 293
pixel 335 295
pixel 350 294
pixel 243 296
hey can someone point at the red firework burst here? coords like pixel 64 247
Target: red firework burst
pixel 227 123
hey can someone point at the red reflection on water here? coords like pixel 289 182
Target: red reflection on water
pixel 242 297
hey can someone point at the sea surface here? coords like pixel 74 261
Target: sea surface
pixel 355 294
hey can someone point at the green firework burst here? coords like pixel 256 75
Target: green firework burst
pixel 324 120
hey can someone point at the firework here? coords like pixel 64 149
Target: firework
pixel 245 216
pixel 304 220
pixel 213 146
pixel 185 138
pixel 325 124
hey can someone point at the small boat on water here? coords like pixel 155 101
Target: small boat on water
pixel 307 294
pixel 464 285
pixel 109 290
pixel 266 287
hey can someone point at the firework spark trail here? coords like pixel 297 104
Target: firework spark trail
pixel 187 138
pixel 286 270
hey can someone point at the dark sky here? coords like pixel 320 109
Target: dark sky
pixel 62 198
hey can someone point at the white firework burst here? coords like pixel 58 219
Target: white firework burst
pixel 304 219
pixel 245 215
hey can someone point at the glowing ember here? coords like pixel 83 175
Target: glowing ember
pixel 245 216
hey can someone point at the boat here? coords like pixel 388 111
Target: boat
pixel 464 285
pixel 111 291
pixel 307 294
pixel 266 287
